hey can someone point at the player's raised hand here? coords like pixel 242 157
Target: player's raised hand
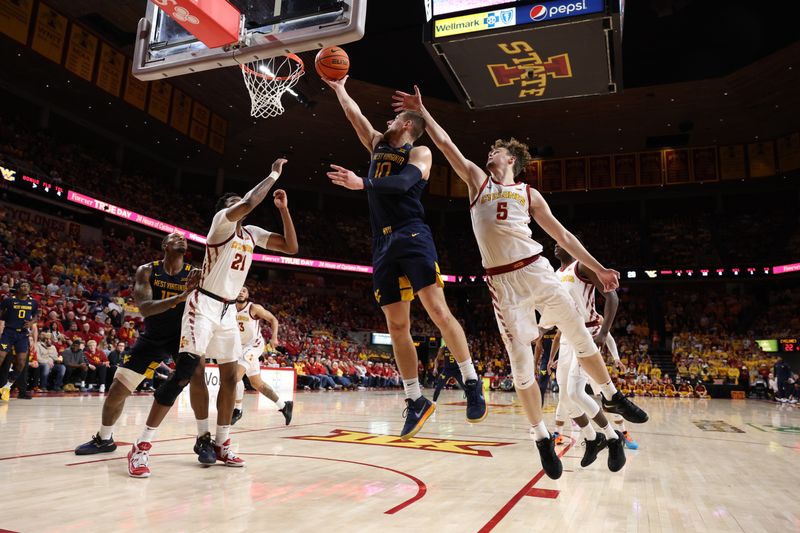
pixel 335 84
pixel 192 281
pixel 277 166
pixel 345 178
pixel 281 200
pixel 609 278
pixel 407 102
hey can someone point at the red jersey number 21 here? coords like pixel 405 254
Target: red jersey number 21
pixel 238 262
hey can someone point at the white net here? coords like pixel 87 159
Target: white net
pixel 266 81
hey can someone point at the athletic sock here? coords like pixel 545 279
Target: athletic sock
pixel 608 432
pixel 467 370
pixel 202 427
pixel 608 390
pixel 105 432
pixel 148 434
pixel 539 431
pixel 222 434
pixel 411 387
pixel 281 404
pixel 588 432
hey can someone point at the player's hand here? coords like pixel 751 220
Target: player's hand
pixel 609 278
pixel 345 178
pixel 600 339
pixel 407 102
pixel 619 365
pixel 277 166
pixel 274 342
pixel 281 200
pixel 336 85
pixel 192 281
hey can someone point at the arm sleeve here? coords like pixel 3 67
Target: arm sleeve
pixel 260 235
pixel 395 183
pixel 221 228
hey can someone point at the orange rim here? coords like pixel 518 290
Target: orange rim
pixel 293 57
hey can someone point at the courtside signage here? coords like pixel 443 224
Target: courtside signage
pixel 558 10
pixel 488 20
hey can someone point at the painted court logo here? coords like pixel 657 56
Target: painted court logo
pixel 527 69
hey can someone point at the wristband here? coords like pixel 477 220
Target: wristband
pixel 274 175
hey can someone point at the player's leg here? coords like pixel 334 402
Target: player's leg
pixel 198 398
pixel 21 347
pixel 227 343
pixel 261 386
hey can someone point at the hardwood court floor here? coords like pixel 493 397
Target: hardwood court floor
pixel 703 465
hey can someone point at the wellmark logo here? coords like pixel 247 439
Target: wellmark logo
pixel 528 69
pixel 464 447
pixel 179 13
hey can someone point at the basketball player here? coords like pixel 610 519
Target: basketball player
pixel 208 326
pixel 520 280
pixel 404 257
pixel 18 316
pixel 573 401
pixel 160 291
pixel 249 316
pixel 447 367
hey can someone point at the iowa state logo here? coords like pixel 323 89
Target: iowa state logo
pixel 528 69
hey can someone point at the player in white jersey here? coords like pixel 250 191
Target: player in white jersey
pixel 519 279
pixel 573 401
pixel 209 327
pixel 248 317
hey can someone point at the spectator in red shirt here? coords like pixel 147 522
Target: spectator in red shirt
pixel 98 365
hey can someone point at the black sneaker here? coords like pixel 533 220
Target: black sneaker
pixel 24 396
pixel 204 448
pixel 476 405
pixel 550 460
pixel 237 415
pixel 620 405
pixel 287 411
pixel 416 413
pixel 593 447
pixel 96 445
pixel 616 452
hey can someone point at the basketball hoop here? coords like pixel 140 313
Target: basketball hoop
pixel 267 80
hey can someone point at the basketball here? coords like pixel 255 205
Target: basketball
pixel 332 63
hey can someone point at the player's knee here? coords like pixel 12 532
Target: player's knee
pixel 524 381
pixel 398 325
pixel 440 314
pixel 169 391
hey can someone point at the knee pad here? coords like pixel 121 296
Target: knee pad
pixel 522 367
pixel 169 391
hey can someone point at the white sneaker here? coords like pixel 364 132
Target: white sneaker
pixel 103 387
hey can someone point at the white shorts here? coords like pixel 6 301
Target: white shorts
pixel 517 295
pixel 207 331
pixel 249 359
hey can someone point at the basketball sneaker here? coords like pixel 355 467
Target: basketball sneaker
pixel 616 452
pixel 620 405
pixel 204 448
pixel 551 463
pixel 237 415
pixel 287 411
pixel 139 459
pixel 629 442
pixel 96 445
pixel 558 438
pixel 226 455
pixel 593 448
pixel 476 404
pixel 416 413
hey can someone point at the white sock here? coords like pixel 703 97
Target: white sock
pixel 105 431
pixel 608 390
pixel 148 434
pixel 202 427
pixel 467 370
pixel 411 387
pixel 239 391
pixel 608 432
pixel 539 431
pixel 280 403
pixel 222 434
pixel 588 432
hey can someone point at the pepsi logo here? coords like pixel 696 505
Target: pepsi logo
pixel 538 13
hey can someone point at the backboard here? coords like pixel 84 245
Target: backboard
pixel 267 28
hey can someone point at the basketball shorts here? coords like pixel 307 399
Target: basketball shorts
pixel 517 295
pixel 209 329
pixel 143 359
pixel 249 359
pixel 15 340
pixel 404 261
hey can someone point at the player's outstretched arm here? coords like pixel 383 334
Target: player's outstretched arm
pixel 418 167
pixel 286 243
pixel 609 308
pixel 256 195
pixel 143 292
pixel 263 314
pixel 468 171
pixel 368 135
pixel 541 213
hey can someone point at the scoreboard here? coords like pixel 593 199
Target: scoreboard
pixel 496 53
